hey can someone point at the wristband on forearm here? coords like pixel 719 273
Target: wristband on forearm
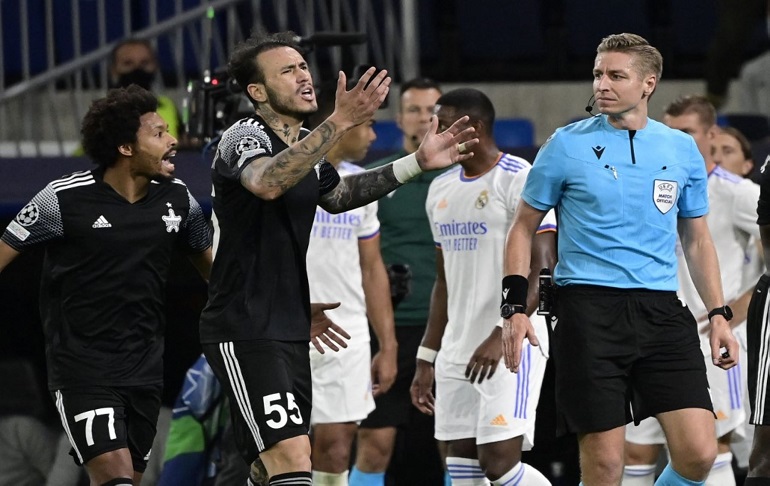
pixel 426 354
pixel 515 288
pixel 406 168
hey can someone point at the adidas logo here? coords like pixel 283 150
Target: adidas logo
pixel 101 222
pixel 499 420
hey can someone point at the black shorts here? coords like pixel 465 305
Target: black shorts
pixel 268 384
pixel 758 337
pixel 624 355
pixel 395 407
pixel 103 419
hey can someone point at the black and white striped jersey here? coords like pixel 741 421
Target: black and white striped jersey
pixel 258 286
pixel 106 264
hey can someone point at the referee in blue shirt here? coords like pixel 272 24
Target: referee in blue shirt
pixel 625 348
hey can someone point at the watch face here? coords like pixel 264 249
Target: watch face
pixel 728 312
pixel 506 311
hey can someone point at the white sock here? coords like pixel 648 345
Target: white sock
pixel 639 475
pixel 330 479
pixel 722 471
pixel 465 472
pixel 522 475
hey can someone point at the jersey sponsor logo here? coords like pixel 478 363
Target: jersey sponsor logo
pixel 171 219
pixel 499 420
pixel 28 214
pixel 17 230
pixel 664 194
pixel 482 200
pixel 598 151
pixel 101 222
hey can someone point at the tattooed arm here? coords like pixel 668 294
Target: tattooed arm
pixel 359 189
pixel 270 177
pixel 437 150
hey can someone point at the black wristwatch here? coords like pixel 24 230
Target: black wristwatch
pixel 724 311
pixel 508 310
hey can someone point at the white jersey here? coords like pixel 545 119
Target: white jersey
pixel 470 218
pixel 732 221
pixel 333 265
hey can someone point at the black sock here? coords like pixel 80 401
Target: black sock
pixel 299 478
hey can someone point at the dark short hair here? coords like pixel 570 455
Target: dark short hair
pixel 742 141
pixel 419 83
pixel 113 121
pixel 130 41
pixel 698 104
pixel 243 66
pixel 471 102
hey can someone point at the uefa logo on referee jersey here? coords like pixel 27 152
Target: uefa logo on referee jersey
pixel 664 195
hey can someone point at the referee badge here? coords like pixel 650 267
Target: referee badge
pixel 664 194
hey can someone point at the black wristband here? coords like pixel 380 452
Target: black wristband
pixel 515 288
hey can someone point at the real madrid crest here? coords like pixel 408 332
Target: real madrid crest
pixel 482 200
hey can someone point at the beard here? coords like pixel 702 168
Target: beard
pixel 287 105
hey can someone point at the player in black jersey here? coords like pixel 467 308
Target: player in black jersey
pixel 109 234
pixel 268 175
pixel 758 337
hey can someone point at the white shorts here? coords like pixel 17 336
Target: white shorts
pixel 727 389
pixel 342 384
pixel 498 409
pixel 727 395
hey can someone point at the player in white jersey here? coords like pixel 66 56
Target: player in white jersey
pixel 732 222
pixel 344 264
pixel 486 416
pixel 731 150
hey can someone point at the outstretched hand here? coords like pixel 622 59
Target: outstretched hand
pixel 439 150
pixel 358 105
pixel 323 329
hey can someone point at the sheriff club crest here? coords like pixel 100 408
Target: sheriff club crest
pixel 171 219
pixel 664 194
pixel 482 200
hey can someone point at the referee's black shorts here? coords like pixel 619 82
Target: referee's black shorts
pixel 624 355
pixel 269 388
pixel 758 336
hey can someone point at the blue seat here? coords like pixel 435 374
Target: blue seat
pixel 514 132
pixel 389 137
pixel 754 127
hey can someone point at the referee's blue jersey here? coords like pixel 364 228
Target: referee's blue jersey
pixel 619 194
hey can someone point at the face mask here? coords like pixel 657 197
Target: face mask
pixel 138 76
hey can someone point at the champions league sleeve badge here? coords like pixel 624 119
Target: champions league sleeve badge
pixel 28 214
pixel 664 194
